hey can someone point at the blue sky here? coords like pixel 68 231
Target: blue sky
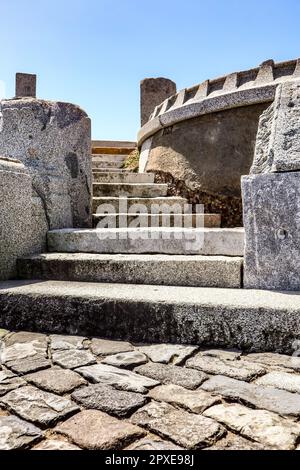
pixel 95 52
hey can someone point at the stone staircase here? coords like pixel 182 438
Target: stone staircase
pixel 135 245
pixel 147 284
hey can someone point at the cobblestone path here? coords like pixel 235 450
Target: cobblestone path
pixel 69 392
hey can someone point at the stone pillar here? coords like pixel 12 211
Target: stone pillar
pixel 271 197
pixel 153 92
pixel 53 141
pixel 25 85
pixel 15 215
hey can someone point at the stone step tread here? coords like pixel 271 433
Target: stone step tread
pixel 154 199
pixel 168 240
pixel 133 185
pixel 130 189
pixel 111 177
pixel 179 270
pixel 109 170
pixel 191 220
pixel 124 203
pixel 214 317
pixel 106 164
pixel 216 297
pixel 108 158
pixel 135 214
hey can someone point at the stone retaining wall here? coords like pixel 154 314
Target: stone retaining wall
pixel 204 137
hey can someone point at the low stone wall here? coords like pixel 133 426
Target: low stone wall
pixel 15 215
pixel 53 141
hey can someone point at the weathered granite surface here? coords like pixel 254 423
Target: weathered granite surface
pixel 258 425
pixel 255 321
pixel 278 138
pixel 38 406
pixel 52 139
pixel 271 196
pixel 96 430
pixel 108 399
pixel 15 215
pixel 17 434
pixel 185 429
pixel 272 231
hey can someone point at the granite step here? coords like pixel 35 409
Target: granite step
pixel 107 177
pixel 110 170
pixel 101 164
pixel 202 241
pixel 130 189
pixel 250 320
pixel 137 204
pixel 157 220
pixel 108 158
pixel 172 270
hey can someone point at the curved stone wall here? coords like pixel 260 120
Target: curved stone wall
pixel 202 139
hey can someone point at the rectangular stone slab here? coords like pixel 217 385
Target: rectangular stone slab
pixel 180 270
pixel 272 231
pixel 232 318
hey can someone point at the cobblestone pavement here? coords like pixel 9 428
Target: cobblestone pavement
pixel 67 392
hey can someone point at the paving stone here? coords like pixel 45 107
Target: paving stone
pixel 223 354
pixel 274 359
pixel 237 370
pixel 19 351
pixel 56 380
pixel 96 430
pixel 25 352
pixel 282 380
pixel 16 433
pixel 153 442
pixel 128 359
pixel 118 378
pixel 272 399
pixel 3 333
pixel 9 381
pixel 52 444
pixel 234 442
pixel 195 401
pixel 62 342
pixel 105 347
pixel 108 399
pixel 259 425
pixel 169 374
pixel 37 406
pixel 185 429
pixel 73 358
pixel 26 337
pixel 168 353
pixel 32 364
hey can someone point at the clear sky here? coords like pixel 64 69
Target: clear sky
pixel 95 52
